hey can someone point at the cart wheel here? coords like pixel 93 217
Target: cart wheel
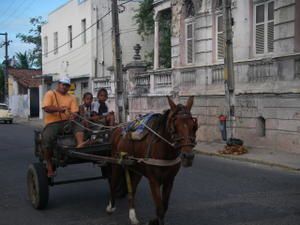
pixel 37 184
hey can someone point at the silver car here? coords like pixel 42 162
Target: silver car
pixel 5 114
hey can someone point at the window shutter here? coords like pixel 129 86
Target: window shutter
pixel 264 27
pixel 270 26
pixel 220 37
pixel 260 38
pixel 220 45
pixel 270 36
pixel 189 43
pixel 55 42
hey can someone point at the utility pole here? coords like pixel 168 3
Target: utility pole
pixel 118 73
pixel 228 65
pixel 5 87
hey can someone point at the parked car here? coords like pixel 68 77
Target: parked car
pixel 5 114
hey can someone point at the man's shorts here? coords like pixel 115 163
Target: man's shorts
pixel 53 130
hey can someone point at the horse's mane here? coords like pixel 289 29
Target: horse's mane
pixel 164 117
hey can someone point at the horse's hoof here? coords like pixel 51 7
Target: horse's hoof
pixel 110 209
pixel 132 217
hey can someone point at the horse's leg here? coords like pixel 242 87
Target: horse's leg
pixel 113 182
pixel 166 192
pixel 160 211
pixel 135 179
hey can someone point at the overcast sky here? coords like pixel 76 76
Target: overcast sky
pixel 14 19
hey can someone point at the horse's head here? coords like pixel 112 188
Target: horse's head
pixel 183 127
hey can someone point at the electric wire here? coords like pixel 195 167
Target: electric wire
pixel 78 35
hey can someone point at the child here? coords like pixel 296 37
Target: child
pixel 100 111
pixel 85 110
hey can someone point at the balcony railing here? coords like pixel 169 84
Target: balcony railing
pixel 162 79
pixel 217 75
pixel 103 82
pixel 261 71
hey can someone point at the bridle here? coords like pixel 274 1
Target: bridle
pixel 181 141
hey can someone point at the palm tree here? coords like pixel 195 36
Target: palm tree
pixel 24 60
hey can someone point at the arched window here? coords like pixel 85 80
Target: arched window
pixel 189 8
pixel 218 4
pixel 261 127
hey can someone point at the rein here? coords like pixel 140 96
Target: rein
pixel 158 135
pixel 176 139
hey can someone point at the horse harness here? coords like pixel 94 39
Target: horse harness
pixel 175 145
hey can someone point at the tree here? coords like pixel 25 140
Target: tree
pixel 23 60
pixel 34 37
pixel 144 18
pixel 145 21
pixel 165 39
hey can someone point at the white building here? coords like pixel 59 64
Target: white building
pixel 74 43
pixel 266 47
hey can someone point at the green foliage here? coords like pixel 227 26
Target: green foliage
pixel 34 37
pixel 145 21
pixel 165 39
pixel 24 61
pixel 144 18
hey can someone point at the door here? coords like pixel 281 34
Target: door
pixel 34 102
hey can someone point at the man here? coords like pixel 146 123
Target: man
pixel 60 108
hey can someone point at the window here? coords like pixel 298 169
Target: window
pixel 83 31
pixel 261 127
pixel 46 46
pixel 55 43
pixel 189 8
pixel 220 37
pixel 264 27
pixel 218 4
pixel 189 43
pixel 70 36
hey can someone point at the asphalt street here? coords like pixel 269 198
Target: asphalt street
pixel 214 191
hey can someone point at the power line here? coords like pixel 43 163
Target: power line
pixel 3 12
pixel 13 12
pixel 78 35
pixel 106 39
pixel 25 9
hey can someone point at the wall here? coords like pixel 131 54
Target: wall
pixel 75 61
pixel 20 105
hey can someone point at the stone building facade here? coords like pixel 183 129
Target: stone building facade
pixel 266 46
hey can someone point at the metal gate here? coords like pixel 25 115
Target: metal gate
pixel 34 102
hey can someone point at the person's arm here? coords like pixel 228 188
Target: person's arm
pixel 54 109
pixel 49 106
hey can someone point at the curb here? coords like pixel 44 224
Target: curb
pixel 248 160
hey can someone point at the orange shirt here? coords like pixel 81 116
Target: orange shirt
pixel 66 100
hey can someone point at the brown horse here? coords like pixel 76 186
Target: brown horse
pixel 170 140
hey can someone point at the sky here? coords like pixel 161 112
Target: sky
pixel 14 19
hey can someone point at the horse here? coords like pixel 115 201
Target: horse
pixel 169 143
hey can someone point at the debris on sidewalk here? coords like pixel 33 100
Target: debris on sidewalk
pixel 234 150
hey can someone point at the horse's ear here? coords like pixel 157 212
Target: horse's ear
pixel 189 103
pixel 171 103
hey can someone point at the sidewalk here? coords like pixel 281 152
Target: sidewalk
pixel 33 122
pixel 263 156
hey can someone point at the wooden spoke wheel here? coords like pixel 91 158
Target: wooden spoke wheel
pixel 37 185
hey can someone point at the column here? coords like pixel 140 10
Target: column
pixel 156 42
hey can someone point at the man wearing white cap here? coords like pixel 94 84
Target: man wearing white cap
pixel 60 108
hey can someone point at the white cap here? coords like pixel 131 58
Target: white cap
pixel 65 80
